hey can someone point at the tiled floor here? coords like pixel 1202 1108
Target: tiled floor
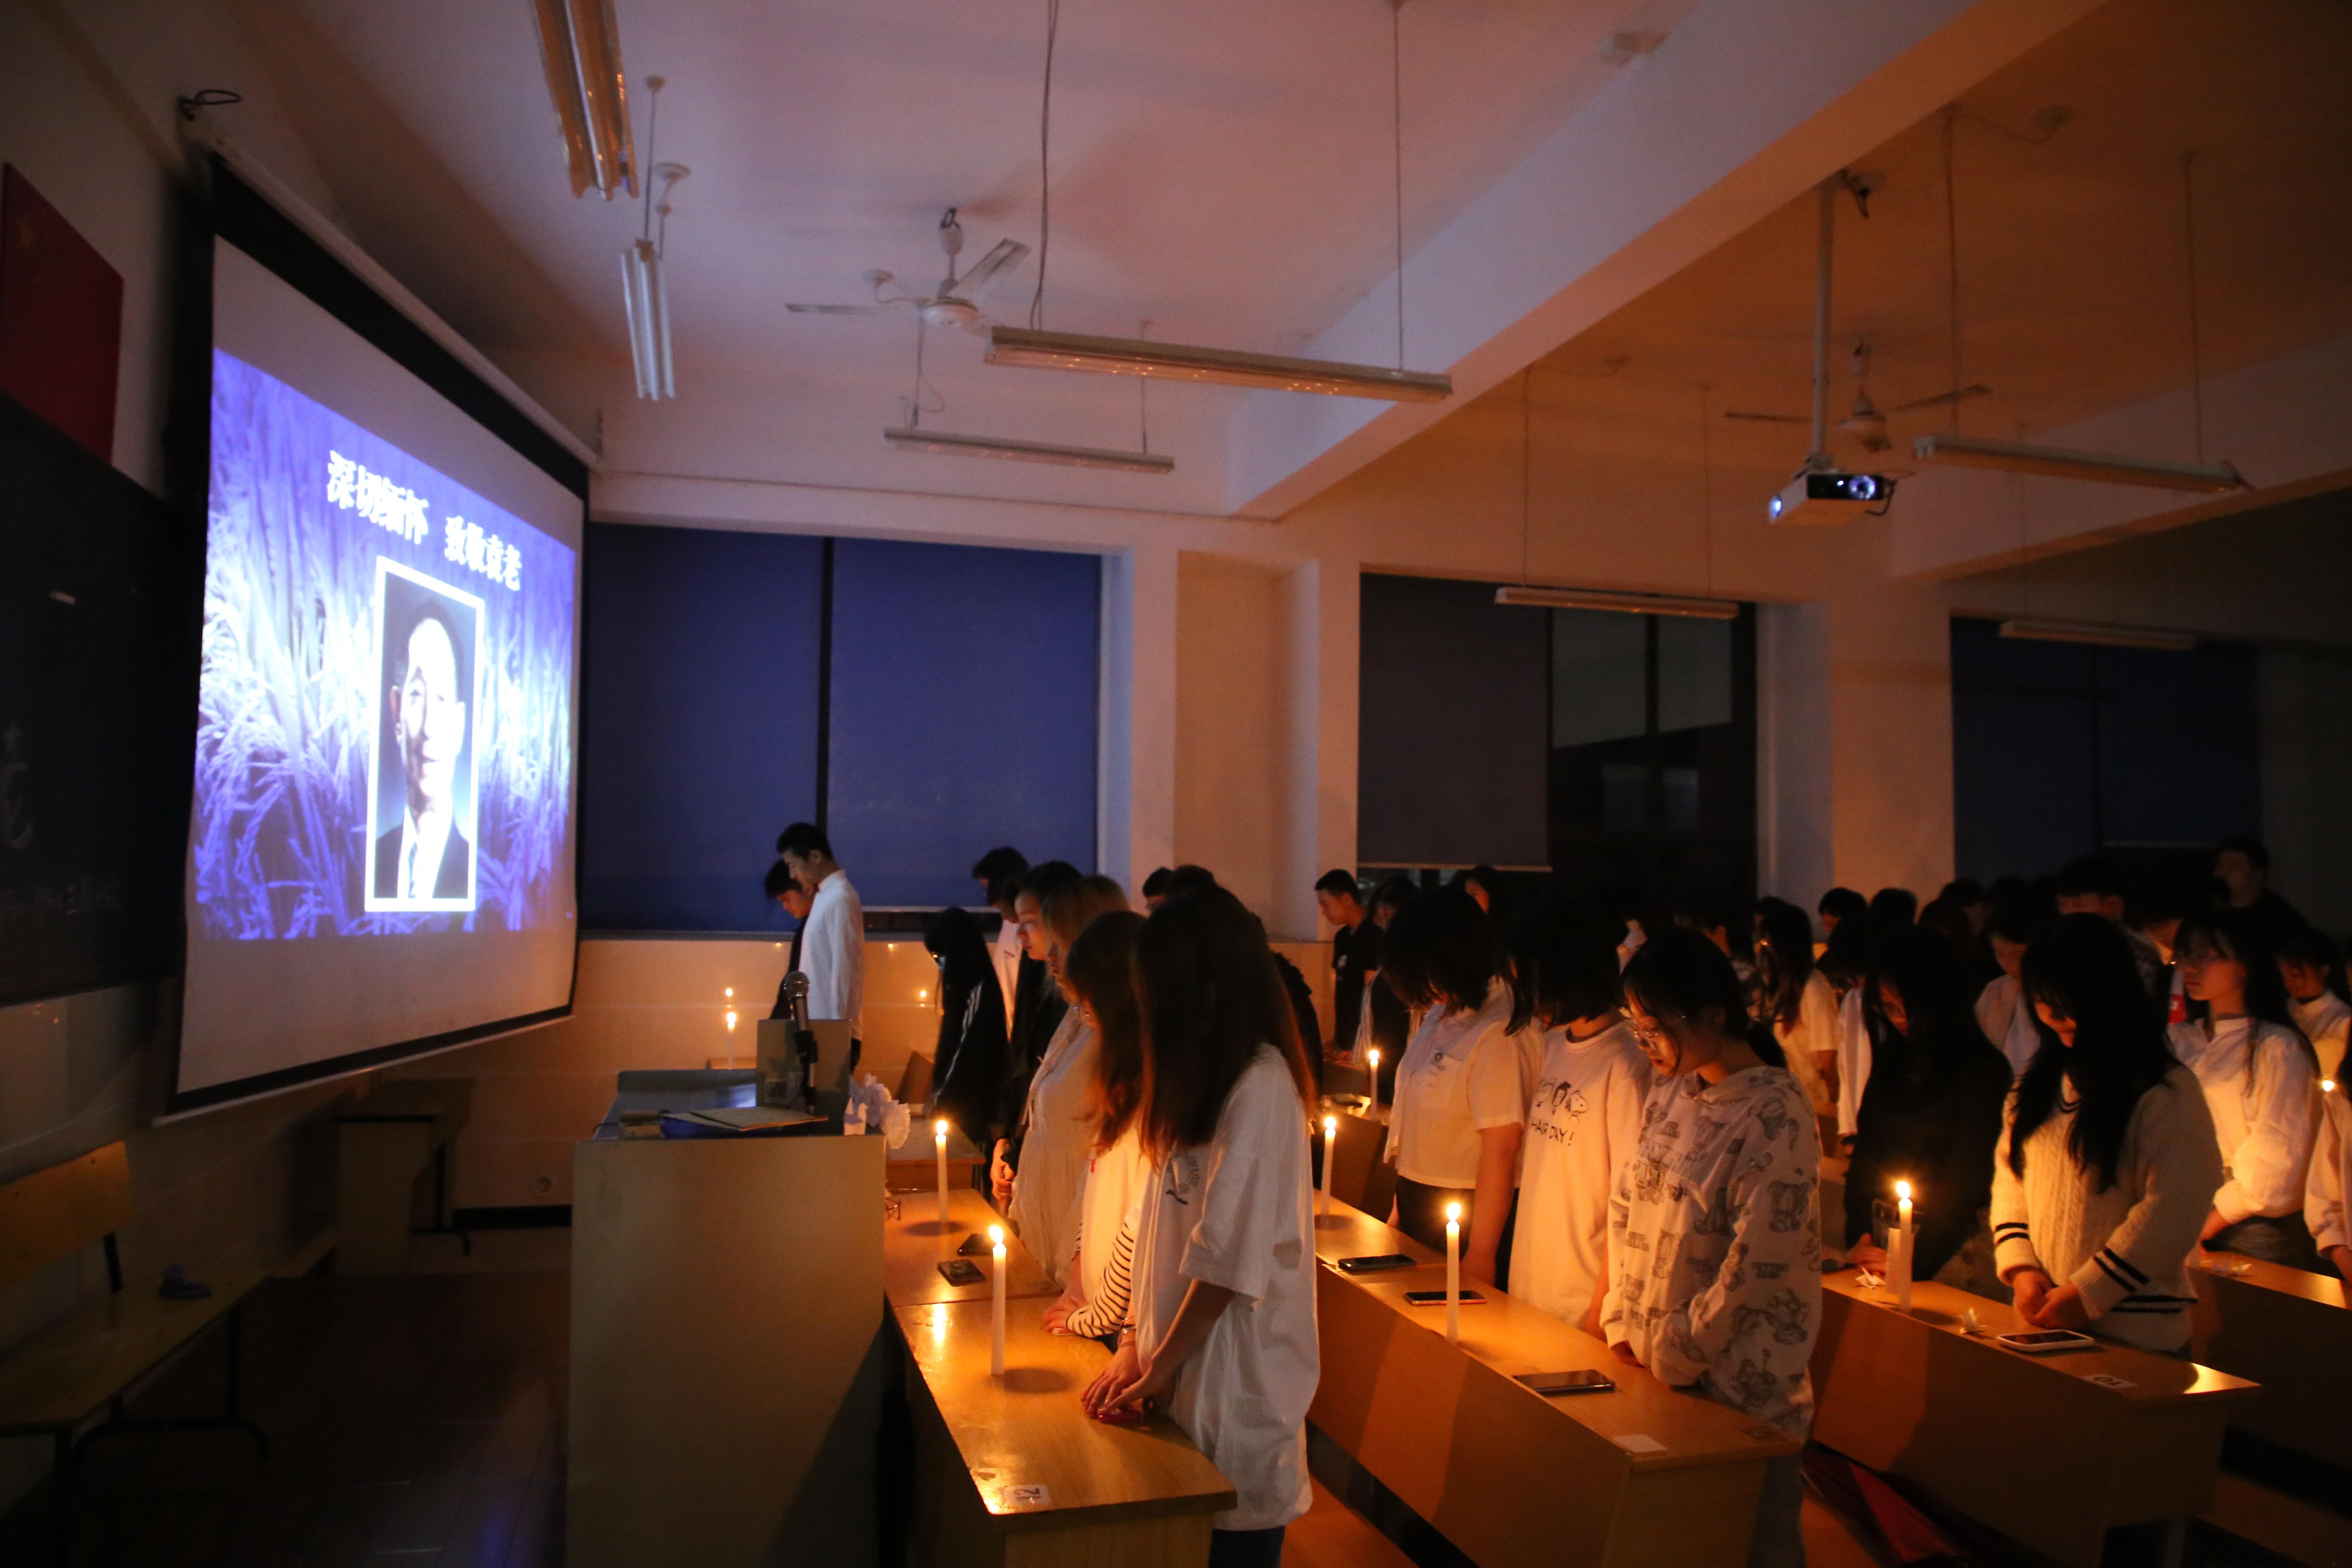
pixel 414 1421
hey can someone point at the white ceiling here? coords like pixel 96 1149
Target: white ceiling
pixel 1222 169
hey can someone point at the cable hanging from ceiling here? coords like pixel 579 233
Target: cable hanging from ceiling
pixel 1045 167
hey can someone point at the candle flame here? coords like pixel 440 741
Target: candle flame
pixel 730 1020
pixel 1375 1056
pixel 731 992
pixel 997 1236
pixel 1452 1213
pixel 1903 1190
pixel 941 1127
pixel 1330 1126
pixel 2328 1086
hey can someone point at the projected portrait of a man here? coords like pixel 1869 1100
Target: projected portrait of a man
pixel 423 772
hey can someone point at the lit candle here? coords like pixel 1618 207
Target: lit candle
pixel 1453 1274
pixel 1330 1139
pixel 1902 1262
pixel 940 1142
pixel 996 1305
pixel 1373 1110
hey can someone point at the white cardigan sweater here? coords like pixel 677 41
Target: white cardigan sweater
pixel 2126 1250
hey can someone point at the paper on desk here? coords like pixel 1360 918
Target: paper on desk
pixel 1639 1442
pixel 745 1118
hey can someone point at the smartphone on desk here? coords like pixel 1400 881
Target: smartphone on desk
pixel 976 1244
pixel 1374 1265
pixel 1584 1381
pixel 2048 1342
pixel 963 1271
pixel 1437 1298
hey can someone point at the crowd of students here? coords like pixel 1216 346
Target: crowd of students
pixel 2082 1082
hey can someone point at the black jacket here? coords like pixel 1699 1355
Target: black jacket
pixel 1935 1131
pixel 968 1072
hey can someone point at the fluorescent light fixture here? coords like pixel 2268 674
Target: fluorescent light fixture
pixel 2104 636
pixel 2105 468
pixel 1229 367
pixel 1632 603
pixel 580 45
pixel 646 294
pixel 908 439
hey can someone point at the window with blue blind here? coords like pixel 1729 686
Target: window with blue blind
pixel 924 703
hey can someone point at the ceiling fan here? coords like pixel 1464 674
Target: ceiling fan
pixel 950 304
pixel 1866 422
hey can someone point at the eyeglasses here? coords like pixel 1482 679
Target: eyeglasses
pixel 1650 1034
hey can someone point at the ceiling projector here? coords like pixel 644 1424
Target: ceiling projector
pixel 1825 495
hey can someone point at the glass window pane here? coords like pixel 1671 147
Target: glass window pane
pixel 1694 673
pixel 1596 676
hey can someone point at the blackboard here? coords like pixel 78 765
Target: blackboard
pixel 97 656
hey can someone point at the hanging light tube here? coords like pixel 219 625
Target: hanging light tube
pixel 2099 636
pixel 1630 604
pixel 1229 367
pixel 2103 468
pixel 913 438
pixel 646 294
pixel 580 45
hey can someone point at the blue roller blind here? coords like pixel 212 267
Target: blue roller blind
pixel 963 712
pixel 699 722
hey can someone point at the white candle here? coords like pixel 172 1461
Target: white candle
pixel 1372 1108
pixel 1453 1274
pixel 996 1305
pixel 1330 1137
pixel 940 1143
pixel 1902 1262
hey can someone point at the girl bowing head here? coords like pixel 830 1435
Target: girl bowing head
pixel 1222 1327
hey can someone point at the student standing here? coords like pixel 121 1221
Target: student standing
pixel 1838 906
pixel 1461 1088
pixel 786 889
pixel 2004 1012
pixel 1039 1011
pixel 2108 1162
pixel 2312 969
pixel 2242 867
pixel 1056 1134
pixel 1355 951
pixel 1386 1022
pixel 1931 1116
pixel 1712 1226
pixel 997 872
pixel 1223 1316
pixel 1100 969
pixel 2093 885
pixel 1845 964
pixel 1797 1000
pixel 2260 1082
pixel 1585 1117
pixel 832 938
pixel 967 1061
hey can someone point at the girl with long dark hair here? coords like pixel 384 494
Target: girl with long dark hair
pixel 1712 1233
pixel 1585 1117
pixel 2261 1081
pixel 1797 1000
pixel 2107 1164
pixel 1221 1330
pixel 968 1062
pixel 1462 1090
pixel 1931 1114
pixel 1056 1134
pixel 1100 969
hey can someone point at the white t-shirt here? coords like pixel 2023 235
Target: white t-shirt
pixel 2324 1021
pixel 1460 1074
pixel 2263 1092
pixel 1114 1182
pixel 1584 1121
pixel 1814 1032
pixel 2006 1015
pixel 1056 1147
pixel 833 951
pixel 1236 1212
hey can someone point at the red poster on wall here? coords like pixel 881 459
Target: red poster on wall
pixel 60 318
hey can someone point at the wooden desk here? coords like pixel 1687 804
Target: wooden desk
pixel 2028 1444
pixel 1643 1475
pixel 913 1248
pixel 387 1144
pixel 1012 1473
pixel 2289 1331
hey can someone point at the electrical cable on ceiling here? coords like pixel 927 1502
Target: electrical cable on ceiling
pixel 1527 466
pixel 1143 394
pixel 2196 332
pixel 1396 149
pixel 1706 490
pixel 1045 168
pixel 1952 265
